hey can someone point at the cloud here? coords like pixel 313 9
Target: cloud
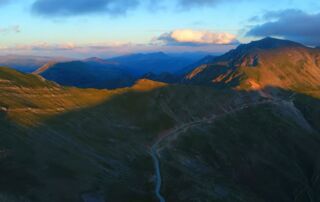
pixel 3 2
pixel 12 29
pixel 40 46
pixel 187 37
pixel 58 8
pixel 290 24
pixel 103 50
pixel 81 7
pixel 188 4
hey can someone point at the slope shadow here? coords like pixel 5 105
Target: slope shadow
pixel 105 148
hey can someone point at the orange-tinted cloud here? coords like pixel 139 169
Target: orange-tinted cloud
pixel 194 37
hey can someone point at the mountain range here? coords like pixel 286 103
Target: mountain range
pixel 89 73
pixel 243 126
pixel 159 62
pixel 26 63
pixel 116 72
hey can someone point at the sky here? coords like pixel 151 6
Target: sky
pixel 106 28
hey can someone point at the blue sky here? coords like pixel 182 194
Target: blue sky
pixel 84 28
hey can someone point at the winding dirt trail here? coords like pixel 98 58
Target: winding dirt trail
pixel 156 161
pixel 172 134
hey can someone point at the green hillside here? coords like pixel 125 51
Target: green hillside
pixel 67 144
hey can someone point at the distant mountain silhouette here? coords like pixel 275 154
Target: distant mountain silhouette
pixel 163 77
pixel 176 77
pixel 159 62
pixel 99 61
pixel 121 71
pixel 26 63
pixel 207 59
pixel 89 73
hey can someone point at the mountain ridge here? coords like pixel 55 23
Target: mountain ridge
pixel 28 63
pixel 267 62
pixel 88 73
pixel 158 62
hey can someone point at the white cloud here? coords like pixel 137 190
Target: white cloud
pixel 39 46
pixel 194 37
pixel 104 50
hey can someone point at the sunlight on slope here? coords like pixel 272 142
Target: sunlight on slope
pixel 146 85
pixel 28 99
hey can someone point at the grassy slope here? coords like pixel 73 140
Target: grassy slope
pixel 30 99
pixel 68 158
pixel 101 143
pixel 236 159
pixel 124 128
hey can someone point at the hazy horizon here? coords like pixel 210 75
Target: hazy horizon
pixel 107 28
pixel 82 57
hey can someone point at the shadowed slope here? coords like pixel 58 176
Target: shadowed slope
pixel 29 98
pixel 104 149
pixel 26 98
pixel 254 155
pixel 90 73
pixel 223 145
pixel 247 144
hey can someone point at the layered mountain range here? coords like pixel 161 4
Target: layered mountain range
pixel 243 126
pixel 157 63
pixel 116 72
pixel 89 73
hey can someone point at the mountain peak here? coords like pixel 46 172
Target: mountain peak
pixel 94 59
pixel 98 61
pixel 267 62
pixel 272 43
pixel 147 85
pixel 160 53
